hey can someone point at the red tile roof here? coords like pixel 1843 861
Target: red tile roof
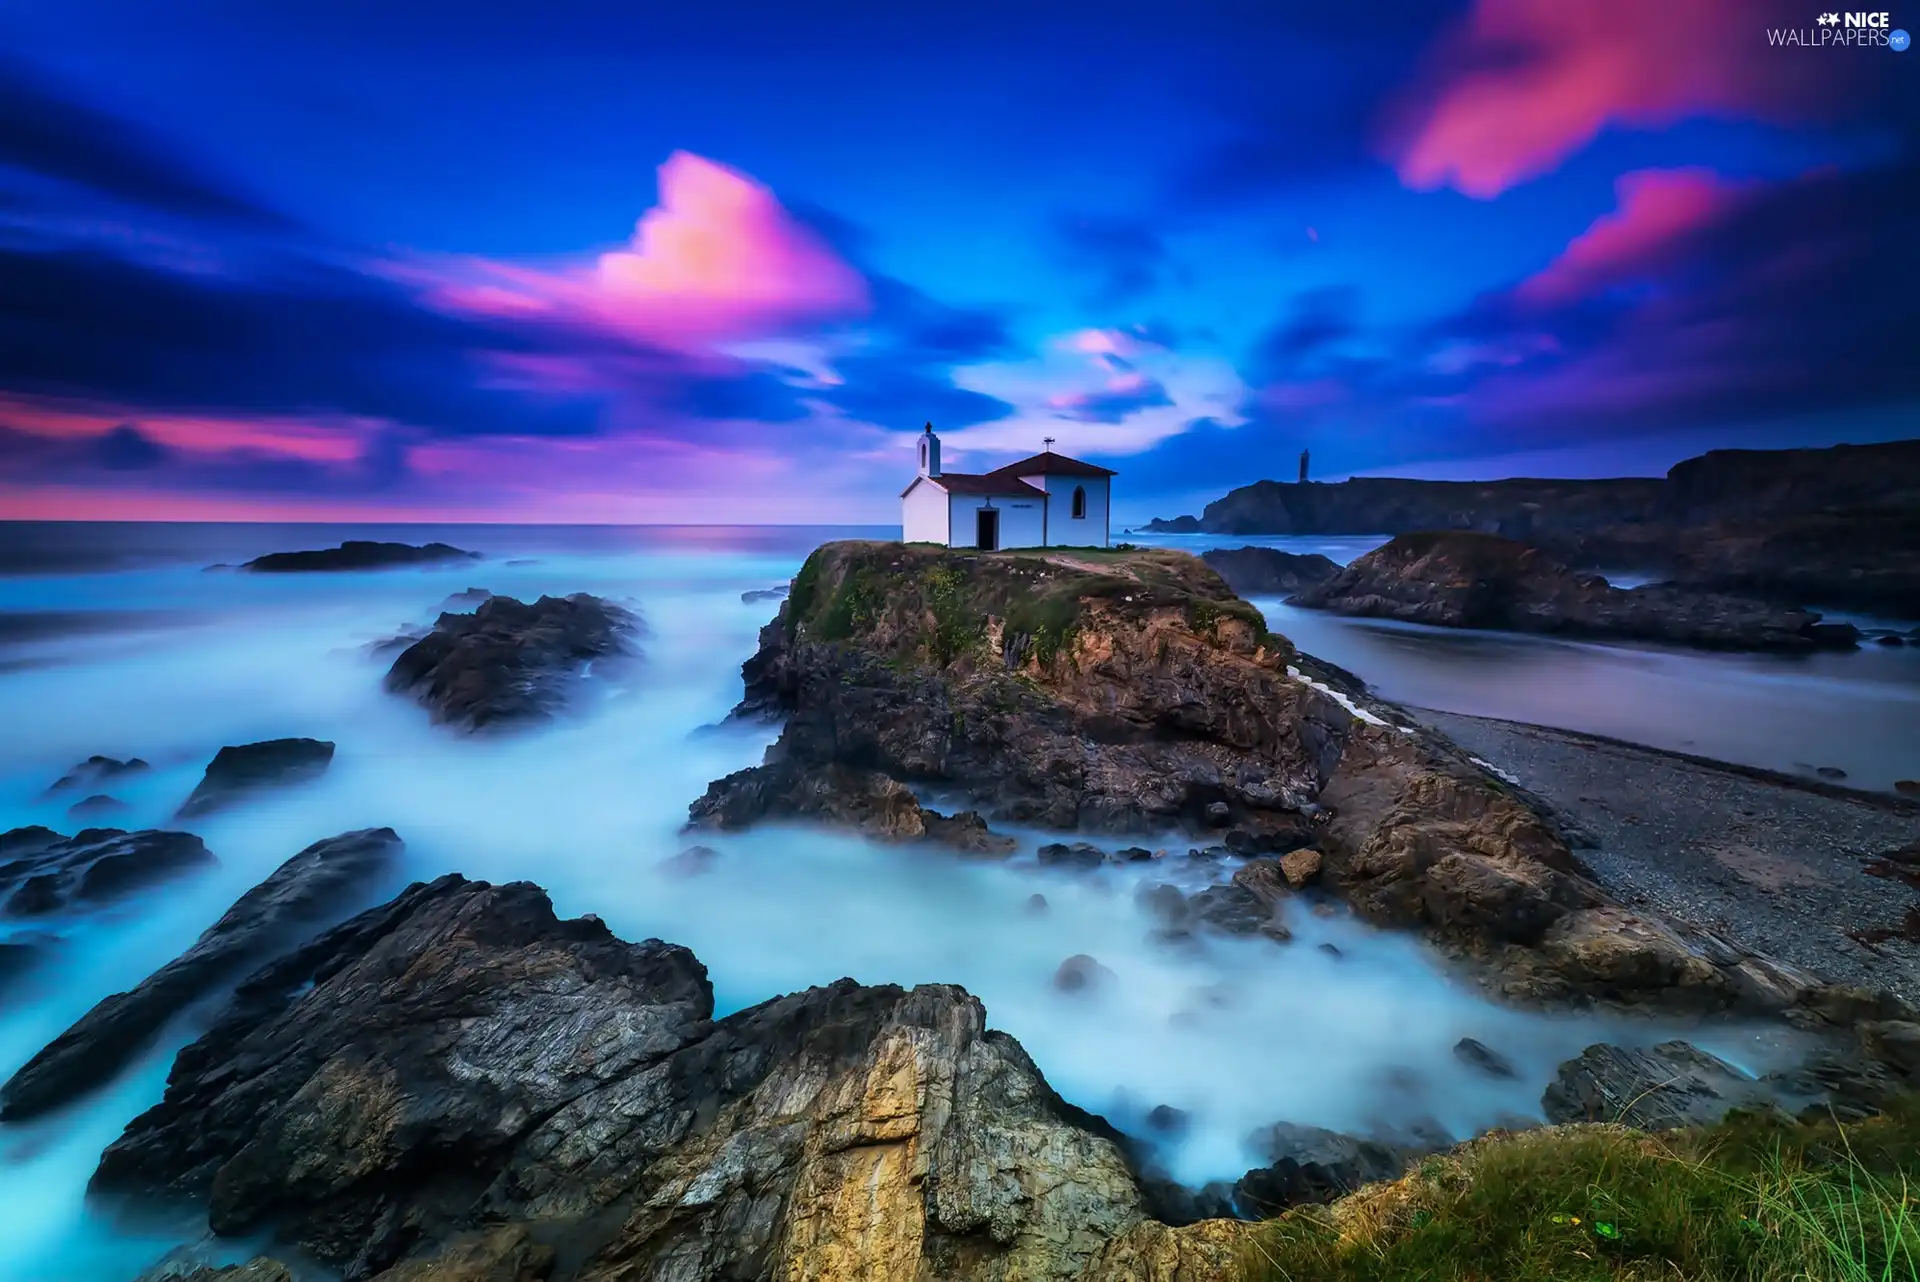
pixel 1051 464
pixel 993 484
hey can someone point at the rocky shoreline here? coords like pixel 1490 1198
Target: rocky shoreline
pixel 1462 579
pixel 457 1084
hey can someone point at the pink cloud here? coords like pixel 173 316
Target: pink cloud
pixel 1527 83
pixel 1656 207
pixel 717 260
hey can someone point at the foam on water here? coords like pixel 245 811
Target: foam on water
pixel 1238 1033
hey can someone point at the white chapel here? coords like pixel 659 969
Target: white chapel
pixel 1048 500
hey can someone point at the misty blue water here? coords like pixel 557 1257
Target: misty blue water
pixel 117 640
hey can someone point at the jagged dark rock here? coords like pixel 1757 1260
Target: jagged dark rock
pixel 358 554
pixel 1256 571
pixel 1672 1084
pixel 93 772
pixel 239 771
pixel 509 661
pixel 44 872
pixel 1471 1051
pixel 457 1074
pixel 1460 579
pixel 301 895
pixel 1309 1164
pixel 1076 854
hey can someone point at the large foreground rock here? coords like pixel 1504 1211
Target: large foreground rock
pixel 1460 579
pixel 237 771
pixel 358 554
pixel 1137 694
pixel 457 1075
pixel 303 893
pixel 510 661
pixel 42 871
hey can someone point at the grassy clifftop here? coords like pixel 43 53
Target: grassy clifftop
pixel 944 605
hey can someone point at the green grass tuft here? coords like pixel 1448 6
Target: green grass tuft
pixel 1752 1199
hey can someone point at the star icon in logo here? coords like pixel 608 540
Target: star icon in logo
pixel 1829 19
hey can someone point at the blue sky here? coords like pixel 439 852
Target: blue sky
pixel 390 260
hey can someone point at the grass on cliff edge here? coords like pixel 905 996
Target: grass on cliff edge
pixel 864 589
pixel 1751 1199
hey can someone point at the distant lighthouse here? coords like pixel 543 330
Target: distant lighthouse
pixel 1303 467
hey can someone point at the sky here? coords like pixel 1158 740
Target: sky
pixel 720 262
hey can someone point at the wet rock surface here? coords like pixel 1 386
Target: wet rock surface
pixel 316 885
pixel 1256 571
pixel 358 554
pixel 1461 579
pixel 459 1074
pixel 510 661
pixel 1672 1084
pixel 1311 1164
pixel 239 771
pixel 42 871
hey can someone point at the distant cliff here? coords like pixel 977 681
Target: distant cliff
pixel 1837 526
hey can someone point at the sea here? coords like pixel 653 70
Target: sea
pixel 143 640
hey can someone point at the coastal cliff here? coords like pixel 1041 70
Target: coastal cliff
pixel 1133 693
pixel 1837 526
pixel 1458 579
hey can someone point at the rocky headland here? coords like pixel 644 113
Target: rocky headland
pixel 509 661
pixel 1838 527
pixel 1462 579
pixel 358 554
pixel 1134 693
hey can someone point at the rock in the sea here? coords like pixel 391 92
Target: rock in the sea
pixel 96 806
pixel 866 801
pixel 1256 571
pixel 509 661
pixel 691 862
pixel 1673 1084
pixel 1310 1164
pixel 1077 854
pixel 238 771
pixel 1907 787
pixel 1080 973
pixel 93 772
pixel 358 554
pixel 1469 1050
pixel 303 894
pixel 764 594
pixel 1235 910
pixel 463 601
pixel 43 871
pixel 1461 579
pixel 460 1063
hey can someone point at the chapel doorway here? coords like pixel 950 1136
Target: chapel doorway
pixel 987 529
